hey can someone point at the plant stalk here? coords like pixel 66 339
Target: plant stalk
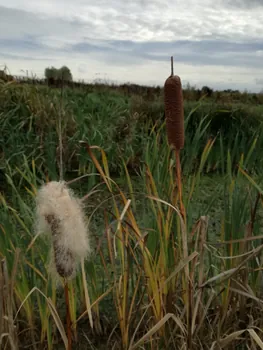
pixel 172 66
pixel 188 279
pixel 179 182
pixel 69 332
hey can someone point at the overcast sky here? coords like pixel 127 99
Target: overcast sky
pixel 214 42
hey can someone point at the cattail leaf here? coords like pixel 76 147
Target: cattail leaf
pixel 233 336
pixel 53 311
pixel 101 297
pixel 155 328
pixel 255 337
pixel 86 293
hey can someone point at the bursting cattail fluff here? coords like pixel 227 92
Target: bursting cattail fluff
pixel 174 111
pixel 60 214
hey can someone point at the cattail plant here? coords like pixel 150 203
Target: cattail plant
pixel 174 114
pixel 60 214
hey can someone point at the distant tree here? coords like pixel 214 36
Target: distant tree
pixel 62 73
pixel 207 91
pixel 51 73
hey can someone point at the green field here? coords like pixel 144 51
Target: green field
pixel 150 282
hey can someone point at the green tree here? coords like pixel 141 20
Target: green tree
pixel 62 73
pixel 51 72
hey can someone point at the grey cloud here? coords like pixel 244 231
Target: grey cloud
pixel 20 24
pixel 19 57
pixel 246 4
pixel 139 20
pixel 15 44
pixel 191 52
pixel 26 49
pixel 130 53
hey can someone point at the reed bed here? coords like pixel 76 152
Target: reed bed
pixel 151 275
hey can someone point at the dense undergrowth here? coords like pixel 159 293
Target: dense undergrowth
pixel 119 123
pixel 152 281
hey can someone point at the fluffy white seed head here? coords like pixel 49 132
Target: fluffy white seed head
pixel 60 214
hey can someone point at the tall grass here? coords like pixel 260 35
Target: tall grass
pixel 121 125
pixel 131 292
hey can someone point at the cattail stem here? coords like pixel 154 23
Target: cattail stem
pixel 188 282
pixel 69 332
pixel 60 136
pixel 172 66
pixel 190 315
pixel 179 182
pixel 60 150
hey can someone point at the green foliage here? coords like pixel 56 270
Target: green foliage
pixel 120 124
pixel 152 282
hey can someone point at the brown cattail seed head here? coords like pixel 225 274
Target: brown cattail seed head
pixel 174 111
pixel 63 257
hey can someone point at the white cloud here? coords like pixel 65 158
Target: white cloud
pixel 155 19
pixel 159 20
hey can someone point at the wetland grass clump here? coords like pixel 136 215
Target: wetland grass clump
pixel 161 278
